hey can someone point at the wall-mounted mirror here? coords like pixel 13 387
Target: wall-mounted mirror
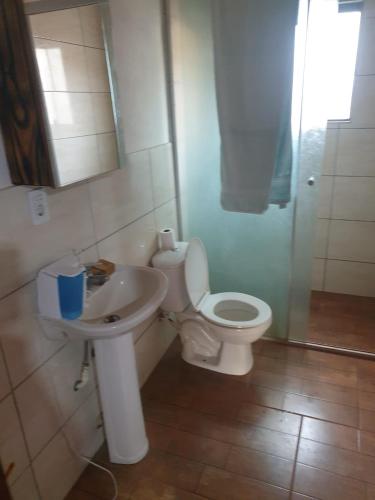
pixel 77 89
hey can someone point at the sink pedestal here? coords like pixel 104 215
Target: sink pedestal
pixel 120 397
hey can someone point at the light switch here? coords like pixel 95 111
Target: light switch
pixel 38 206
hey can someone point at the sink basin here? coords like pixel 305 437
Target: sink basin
pixel 128 298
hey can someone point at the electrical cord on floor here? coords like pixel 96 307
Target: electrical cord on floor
pixel 91 462
pixel 115 487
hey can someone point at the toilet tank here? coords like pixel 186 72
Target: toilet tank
pixel 172 262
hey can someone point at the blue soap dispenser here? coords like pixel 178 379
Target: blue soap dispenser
pixel 62 289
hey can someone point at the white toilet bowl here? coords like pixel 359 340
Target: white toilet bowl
pixel 216 330
pixel 219 336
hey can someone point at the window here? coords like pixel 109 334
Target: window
pixel 345 34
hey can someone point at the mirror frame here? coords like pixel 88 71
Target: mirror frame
pixel 22 116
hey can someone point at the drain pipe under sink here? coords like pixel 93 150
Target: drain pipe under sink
pixel 84 375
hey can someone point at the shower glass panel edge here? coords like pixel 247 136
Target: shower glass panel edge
pixel 316 70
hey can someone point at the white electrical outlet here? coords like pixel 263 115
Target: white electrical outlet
pixel 38 206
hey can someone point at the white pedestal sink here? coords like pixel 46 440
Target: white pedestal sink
pixel 121 402
pixel 129 298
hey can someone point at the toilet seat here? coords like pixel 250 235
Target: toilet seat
pixel 231 310
pixel 228 309
pixel 196 273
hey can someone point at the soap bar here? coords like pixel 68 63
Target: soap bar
pixel 103 267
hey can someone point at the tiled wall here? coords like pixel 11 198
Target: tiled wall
pixel 117 217
pixel 72 64
pixel 345 233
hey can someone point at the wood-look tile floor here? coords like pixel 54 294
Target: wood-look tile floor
pixel 299 426
pixel 340 320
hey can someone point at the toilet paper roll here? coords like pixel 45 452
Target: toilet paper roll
pixel 167 239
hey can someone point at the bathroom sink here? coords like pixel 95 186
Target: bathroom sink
pixel 128 298
pixel 111 314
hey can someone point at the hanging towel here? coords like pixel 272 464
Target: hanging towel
pixel 253 45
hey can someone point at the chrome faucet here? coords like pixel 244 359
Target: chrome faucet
pixel 95 279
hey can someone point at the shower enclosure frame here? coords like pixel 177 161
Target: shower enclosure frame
pixel 308 159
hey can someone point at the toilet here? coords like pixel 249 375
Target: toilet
pixel 217 329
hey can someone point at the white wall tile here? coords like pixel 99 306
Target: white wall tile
pixel 103 112
pixel 39 410
pixel 77 158
pixel 62 25
pixel 64 369
pixel 352 240
pixel 62 66
pixel 317 281
pixel 354 198
pixel 166 216
pixel 321 238
pixel 24 343
pixel 123 196
pixel 134 244
pixel 26 248
pixel 57 457
pixel 137 39
pixel 151 346
pixel 12 444
pixel 89 255
pixel 11 201
pixel 366 48
pixel 162 174
pixel 363 104
pixel 355 278
pixel 325 196
pixel 70 114
pixel 82 430
pixel 4 380
pixel 97 70
pixel 329 158
pixel 369 8
pixel 91 26
pixel 108 155
pixel 25 488
pixel 47 399
pixel 333 124
pixel 356 152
